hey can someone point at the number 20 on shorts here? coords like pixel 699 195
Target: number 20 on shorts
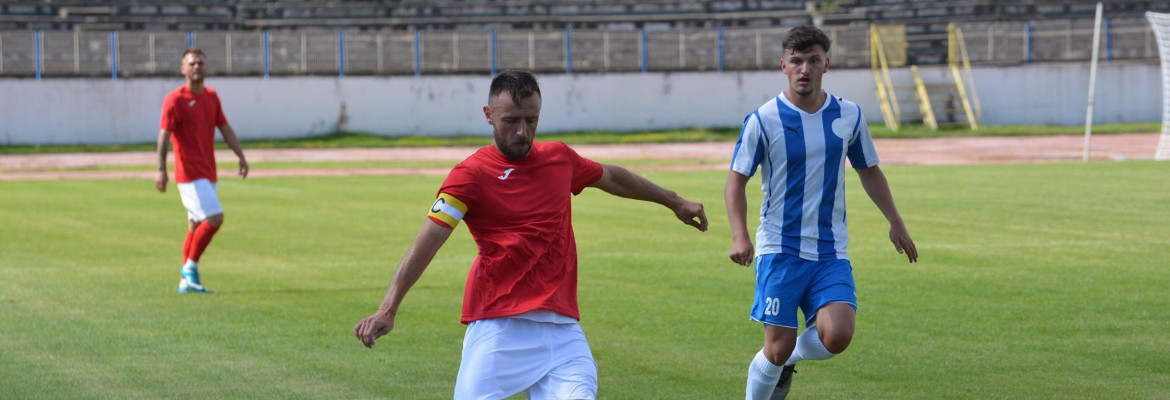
pixel 771 306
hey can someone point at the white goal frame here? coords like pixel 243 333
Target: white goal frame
pixel 1161 25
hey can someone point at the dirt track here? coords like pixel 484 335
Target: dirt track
pixel 945 151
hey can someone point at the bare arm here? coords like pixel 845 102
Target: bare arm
pixel 164 143
pixel 229 137
pixel 621 182
pixel 429 240
pixel 878 189
pixel 734 196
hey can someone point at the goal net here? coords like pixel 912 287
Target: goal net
pixel 1161 24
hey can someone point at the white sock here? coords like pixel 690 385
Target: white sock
pixel 762 377
pixel 809 347
pixel 190 265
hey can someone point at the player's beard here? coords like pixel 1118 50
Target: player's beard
pixel 196 77
pixel 515 150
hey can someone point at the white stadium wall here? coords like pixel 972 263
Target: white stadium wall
pixel 76 111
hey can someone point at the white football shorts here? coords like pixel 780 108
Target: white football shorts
pixel 506 356
pixel 200 198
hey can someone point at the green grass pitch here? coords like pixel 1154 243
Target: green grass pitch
pixel 1046 281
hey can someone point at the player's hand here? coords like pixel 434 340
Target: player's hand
pixel 742 251
pixel 160 181
pixel 691 213
pixel 373 327
pixel 902 241
pixel 244 168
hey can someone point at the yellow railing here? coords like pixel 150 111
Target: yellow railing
pixel 880 64
pixel 923 100
pixel 888 49
pixel 956 52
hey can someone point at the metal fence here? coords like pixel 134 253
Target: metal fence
pixel 352 52
pixel 1028 42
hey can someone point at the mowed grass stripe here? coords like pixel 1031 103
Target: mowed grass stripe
pixel 1036 281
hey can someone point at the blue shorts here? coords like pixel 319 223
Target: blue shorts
pixel 785 282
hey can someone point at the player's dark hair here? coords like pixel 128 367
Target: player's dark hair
pixel 804 37
pixel 194 50
pixel 521 84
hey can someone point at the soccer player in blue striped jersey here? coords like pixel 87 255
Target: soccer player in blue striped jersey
pixel 799 142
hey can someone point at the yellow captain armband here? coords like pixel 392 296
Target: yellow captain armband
pixel 448 210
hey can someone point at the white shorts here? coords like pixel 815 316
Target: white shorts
pixel 506 356
pixel 200 198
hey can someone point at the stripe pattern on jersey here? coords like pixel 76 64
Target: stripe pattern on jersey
pixel 801 157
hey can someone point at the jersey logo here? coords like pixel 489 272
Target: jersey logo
pixel 842 128
pixel 191 103
pixel 506 173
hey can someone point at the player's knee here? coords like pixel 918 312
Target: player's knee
pixel 215 220
pixel 837 340
pixel 778 353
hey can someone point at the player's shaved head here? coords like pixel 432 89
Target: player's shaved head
pixel 520 84
pixel 803 38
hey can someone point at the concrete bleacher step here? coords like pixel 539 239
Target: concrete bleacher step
pixel 66 12
pixel 925 20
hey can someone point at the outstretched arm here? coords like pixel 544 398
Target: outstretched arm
pixel 229 137
pixel 878 189
pixel 164 143
pixel 621 182
pixel 428 242
pixel 734 196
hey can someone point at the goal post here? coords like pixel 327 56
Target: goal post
pixel 1161 24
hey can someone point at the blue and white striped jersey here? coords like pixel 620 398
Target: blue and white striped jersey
pixel 802 157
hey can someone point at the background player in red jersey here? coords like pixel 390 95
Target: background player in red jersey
pixel 190 115
pixel 520 302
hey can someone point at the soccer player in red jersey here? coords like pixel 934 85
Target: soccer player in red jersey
pixel 190 115
pixel 520 302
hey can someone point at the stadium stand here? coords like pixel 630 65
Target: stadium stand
pixel 921 16
pixel 926 21
pixel 442 14
pixel 120 15
pixel 294 37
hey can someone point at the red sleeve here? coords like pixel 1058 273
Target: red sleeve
pixel 167 121
pixel 220 118
pixel 440 222
pixel 585 171
pixel 460 183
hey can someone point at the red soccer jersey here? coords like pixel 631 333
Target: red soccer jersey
pixel 192 119
pixel 519 213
